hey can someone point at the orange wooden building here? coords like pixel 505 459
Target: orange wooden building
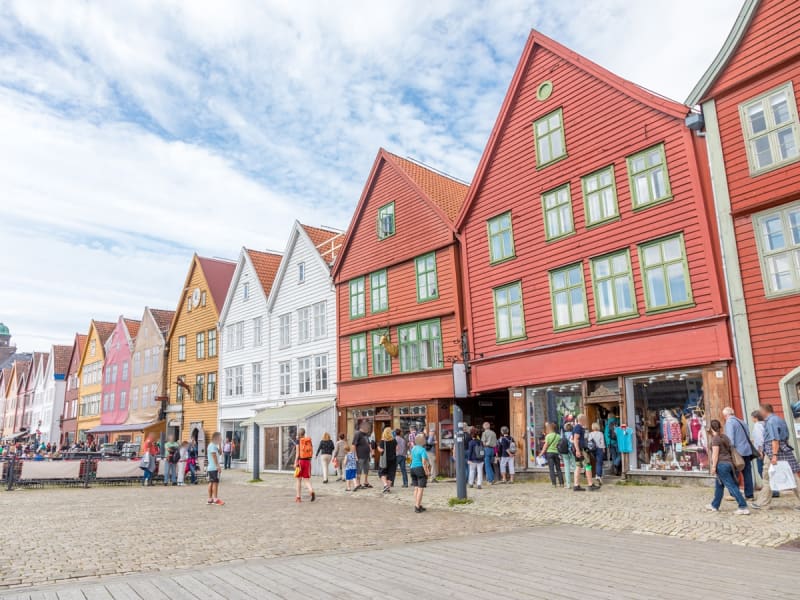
pixel 398 276
pixel 592 262
pixel 749 104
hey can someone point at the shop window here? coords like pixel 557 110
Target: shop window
pixel 568 297
pixel 648 177
pixel 548 132
pixel 666 274
pixel 557 403
pixel 613 286
pixel 501 238
pixel 668 411
pixel 770 128
pixel 778 237
pixel 557 210
pixel 509 316
pixel 600 196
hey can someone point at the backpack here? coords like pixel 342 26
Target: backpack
pixel 480 452
pixel 305 448
pixel 563 445
pixel 175 456
pixel 591 445
pixel 512 448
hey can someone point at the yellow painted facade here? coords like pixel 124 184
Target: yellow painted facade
pixel 90 382
pixel 196 314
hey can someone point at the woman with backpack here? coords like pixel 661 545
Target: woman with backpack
pixel 550 452
pixel 475 456
pixel 507 448
pixel 722 466
pixel 565 452
pixel 302 464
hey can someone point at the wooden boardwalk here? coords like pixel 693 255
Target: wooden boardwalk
pixel 556 563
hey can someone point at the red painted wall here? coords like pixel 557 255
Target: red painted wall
pixel 603 125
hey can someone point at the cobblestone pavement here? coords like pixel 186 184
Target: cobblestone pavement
pixel 61 534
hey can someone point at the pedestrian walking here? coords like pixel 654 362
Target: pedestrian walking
pixel 325 455
pixel 214 453
pixel 737 432
pixel 420 469
pixel 302 464
pixel 507 449
pixel 550 452
pixel 489 441
pixel 191 464
pixel 350 466
pixel 475 455
pixel 401 451
pixel 582 456
pixel 722 467
pixel 597 444
pixel 430 448
pixel 171 456
pixel 758 442
pixel 565 451
pixel 227 450
pixel 183 457
pixel 363 451
pixel 339 453
pixel 387 459
pixel 148 463
pixel 776 447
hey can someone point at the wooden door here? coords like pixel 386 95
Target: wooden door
pixel 516 418
pixel 271 453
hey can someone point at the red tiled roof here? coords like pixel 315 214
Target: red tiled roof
pixel 163 318
pixel 21 366
pixel 80 339
pixel 104 330
pixel 326 241
pixel 61 355
pixel 447 193
pixel 133 327
pixel 218 275
pixel 266 265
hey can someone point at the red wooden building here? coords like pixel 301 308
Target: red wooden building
pixel 592 262
pixel 69 414
pixel 397 276
pixel 749 103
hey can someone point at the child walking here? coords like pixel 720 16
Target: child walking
pixel 350 468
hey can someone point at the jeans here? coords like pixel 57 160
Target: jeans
pixel 569 469
pixel 615 458
pixel 726 478
pixel 147 476
pixel 193 471
pixel 226 457
pixel 748 476
pixel 488 459
pixel 401 464
pixel 554 464
pixel 599 457
pixel 475 469
pixel 172 473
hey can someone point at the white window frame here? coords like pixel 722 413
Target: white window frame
pixel 321 382
pixel 771 131
pixel 304 324
pixel 285 373
pixel 285 329
pixel 257 331
pixel 320 310
pixel 255 370
pixel 304 375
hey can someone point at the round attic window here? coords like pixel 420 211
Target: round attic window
pixel 544 90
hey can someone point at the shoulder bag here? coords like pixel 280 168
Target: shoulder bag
pixel 736 458
pixel 753 449
pixel 382 462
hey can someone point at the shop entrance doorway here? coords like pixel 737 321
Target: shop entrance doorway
pixel 271 452
pixel 486 407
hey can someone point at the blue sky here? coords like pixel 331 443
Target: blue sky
pixel 134 133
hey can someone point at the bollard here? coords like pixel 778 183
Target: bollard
pixel 461 477
pixel 256 452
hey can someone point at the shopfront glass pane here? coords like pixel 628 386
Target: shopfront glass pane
pixel 557 404
pixel 288 447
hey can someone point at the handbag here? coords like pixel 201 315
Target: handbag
pixel 382 462
pixel 736 458
pixel 144 464
pixel 297 472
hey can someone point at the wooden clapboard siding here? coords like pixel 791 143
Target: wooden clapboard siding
pixel 71 393
pixel 605 120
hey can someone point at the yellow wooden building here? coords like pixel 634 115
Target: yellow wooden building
pixel 90 379
pixel 193 343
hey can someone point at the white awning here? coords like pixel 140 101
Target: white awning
pixel 289 414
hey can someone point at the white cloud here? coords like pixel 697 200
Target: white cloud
pixel 136 132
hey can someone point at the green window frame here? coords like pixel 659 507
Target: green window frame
pixel 358 306
pixel 614 293
pixel 386 221
pixel 648 177
pixel 379 291
pixel 509 313
pixel 557 210
pixel 381 359
pixel 568 297
pixel 548 132
pixel 600 196
pixel 420 346
pixel 427 280
pixel 777 233
pixel 665 272
pixel 501 238
pixel 358 356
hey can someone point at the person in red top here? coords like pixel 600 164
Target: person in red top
pixel 302 463
pixel 148 464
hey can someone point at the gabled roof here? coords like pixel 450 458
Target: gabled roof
pixel 163 318
pixel 326 241
pixel 21 368
pixel 447 193
pixel 218 274
pixel 133 327
pixel 60 357
pixel 630 89
pixel 266 265
pixel 441 192
pixel 104 329
pixel 725 53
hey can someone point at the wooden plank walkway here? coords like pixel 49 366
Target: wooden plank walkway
pixel 555 562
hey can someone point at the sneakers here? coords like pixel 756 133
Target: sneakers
pixel 386 489
pixel 711 508
pixel 578 488
pixel 480 487
pixel 742 511
pixel 313 496
pixel 472 486
pixel 210 502
pixel 759 507
pixel 417 509
pixel 219 502
pixel 594 488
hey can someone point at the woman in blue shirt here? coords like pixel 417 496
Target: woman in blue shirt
pixel 420 467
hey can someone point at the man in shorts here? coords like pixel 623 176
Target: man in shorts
pixel 363 449
pixel 214 455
